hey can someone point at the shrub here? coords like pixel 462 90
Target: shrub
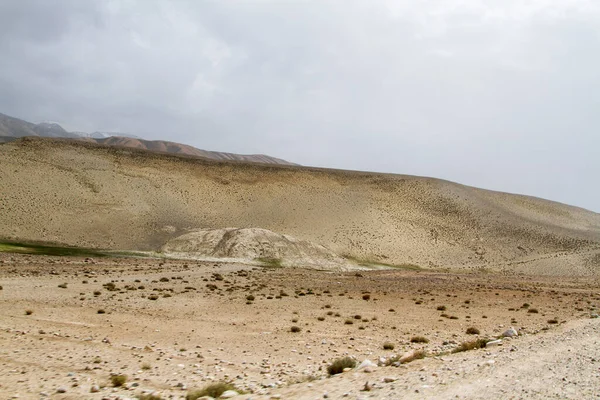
pixel 419 339
pixel 441 308
pixel 118 380
pixel 416 355
pixel 533 311
pixel 153 297
pixel 472 331
pixel 149 397
pixel 101 311
pixel 62 286
pixel 321 318
pixel 338 366
pixel 28 312
pixel 295 329
pixel 214 390
pixel 250 297
pixel 348 322
pixel 553 321
pixel 470 345
pixel 357 317
pixel 97 293
pixel 146 366
pixel 388 346
pixel 366 296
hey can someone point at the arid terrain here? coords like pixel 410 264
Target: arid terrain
pixel 87 195
pixel 173 326
pixel 187 272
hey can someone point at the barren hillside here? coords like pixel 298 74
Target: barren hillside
pixel 80 193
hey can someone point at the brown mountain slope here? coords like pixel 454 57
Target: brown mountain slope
pixel 12 128
pixel 83 194
pixel 178 148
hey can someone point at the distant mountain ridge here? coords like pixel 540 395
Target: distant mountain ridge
pixel 13 128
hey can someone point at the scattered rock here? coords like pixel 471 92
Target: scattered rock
pixel 494 343
pixel 389 379
pixel 94 389
pixel 511 332
pixel 61 389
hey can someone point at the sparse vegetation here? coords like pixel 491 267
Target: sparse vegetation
pixel 533 311
pixel 214 390
pixel 28 312
pixel 270 262
pixel 149 397
pixel 295 329
pixel 419 339
pixel 146 366
pixel 101 311
pixel 470 345
pixel 388 346
pixel 338 366
pixel 118 380
pixel 441 308
pixel 472 331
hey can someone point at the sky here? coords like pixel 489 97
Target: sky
pixel 498 94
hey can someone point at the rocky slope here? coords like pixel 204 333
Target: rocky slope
pixel 84 194
pixel 252 244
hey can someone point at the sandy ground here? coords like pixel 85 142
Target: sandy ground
pixel 202 327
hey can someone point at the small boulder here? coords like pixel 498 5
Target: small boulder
pixel 511 332
pixel 367 364
pixel 229 394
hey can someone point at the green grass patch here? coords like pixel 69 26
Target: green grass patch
pixel 371 262
pixel 49 249
pixel 270 262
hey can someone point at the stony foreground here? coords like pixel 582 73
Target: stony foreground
pixel 68 324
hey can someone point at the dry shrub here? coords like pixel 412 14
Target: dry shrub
pixel 214 390
pixel 338 366
pixel 470 345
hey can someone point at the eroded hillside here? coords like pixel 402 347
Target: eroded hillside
pixel 88 195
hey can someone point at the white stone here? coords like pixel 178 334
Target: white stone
pixel 511 332
pixel 229 394
pixel 367 364
pixel 494 343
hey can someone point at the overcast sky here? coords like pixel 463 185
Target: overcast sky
pixel 500 94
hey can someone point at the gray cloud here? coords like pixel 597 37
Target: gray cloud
pixel 502 95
